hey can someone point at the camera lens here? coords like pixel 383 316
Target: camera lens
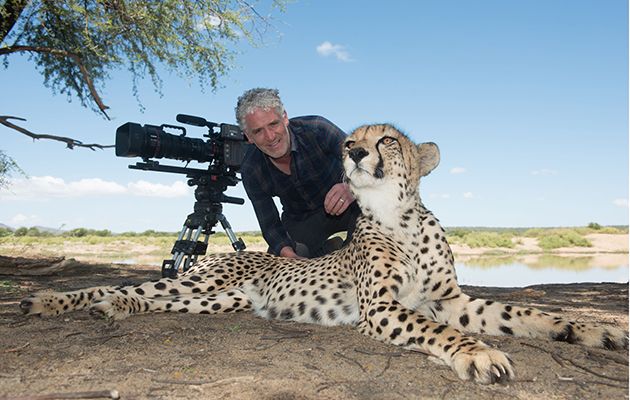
pixel 150 141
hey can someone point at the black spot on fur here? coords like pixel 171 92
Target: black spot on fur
pixel 439 329
pixel 506 330
pixel 567 335
pixel 464 320
pixel 395 333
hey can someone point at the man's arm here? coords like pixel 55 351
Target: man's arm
pixel 339 197
pixel 267 214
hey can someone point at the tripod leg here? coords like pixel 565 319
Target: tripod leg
pixel 237 244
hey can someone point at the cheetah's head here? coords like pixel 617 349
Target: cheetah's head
pixel 381 159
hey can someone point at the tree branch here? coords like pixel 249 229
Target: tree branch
pixel 70 143
pixel 66 54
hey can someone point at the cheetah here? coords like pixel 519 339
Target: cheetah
pixel 395 281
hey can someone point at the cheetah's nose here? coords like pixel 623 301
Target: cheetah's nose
pixel 357 154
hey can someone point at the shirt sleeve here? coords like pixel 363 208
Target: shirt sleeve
pixel 268 217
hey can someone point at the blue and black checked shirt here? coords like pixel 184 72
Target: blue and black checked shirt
pixel 316 166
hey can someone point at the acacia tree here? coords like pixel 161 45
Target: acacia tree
pixel 75 44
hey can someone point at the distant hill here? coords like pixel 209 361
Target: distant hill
pixel 53 231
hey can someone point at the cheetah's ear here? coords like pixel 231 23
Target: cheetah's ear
pixel 429 157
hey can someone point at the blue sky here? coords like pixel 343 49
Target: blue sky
pixel 528 101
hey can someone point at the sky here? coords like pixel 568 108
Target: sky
pixel 527 100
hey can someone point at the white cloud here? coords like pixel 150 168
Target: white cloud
pixel 621 203
pixel 148 189
pixel 545 172
pixel 42 187
pixel 440 196
pixel 21 220
pixel 327 49
pixel 458 170
pixel 469 195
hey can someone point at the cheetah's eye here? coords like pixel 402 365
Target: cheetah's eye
pixel 349 144
pixel 387 140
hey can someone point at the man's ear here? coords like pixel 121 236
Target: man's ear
pixel 285 118
pixel 429 157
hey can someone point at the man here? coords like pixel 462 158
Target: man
pixel 299 161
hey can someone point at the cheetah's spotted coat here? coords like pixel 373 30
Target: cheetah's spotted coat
pixel 395 281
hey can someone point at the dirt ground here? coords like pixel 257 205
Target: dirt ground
pixel 240 356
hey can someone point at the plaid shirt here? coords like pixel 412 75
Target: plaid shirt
pixel 315 167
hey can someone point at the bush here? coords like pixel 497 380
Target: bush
pixel 488 239
pixel 594 226
pixel 20 231
pixel 78 232
pixel 562 238
pixel 5 232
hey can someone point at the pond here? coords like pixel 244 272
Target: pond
pixel 541 269
pixel 514 271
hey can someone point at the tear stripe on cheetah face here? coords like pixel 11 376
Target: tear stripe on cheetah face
pixel 395 281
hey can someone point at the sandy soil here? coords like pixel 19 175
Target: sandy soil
pixel 240 356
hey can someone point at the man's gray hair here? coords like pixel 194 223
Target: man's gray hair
pixel 257 98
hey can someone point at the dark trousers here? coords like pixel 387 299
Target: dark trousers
pixel 312 233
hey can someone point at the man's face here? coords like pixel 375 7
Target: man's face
pixel 269 132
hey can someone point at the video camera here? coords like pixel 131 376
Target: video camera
pixel 226 146
pixel 224 149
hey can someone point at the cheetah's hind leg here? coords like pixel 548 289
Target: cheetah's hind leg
pixel 496 318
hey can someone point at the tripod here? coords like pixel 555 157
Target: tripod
pixel 207 211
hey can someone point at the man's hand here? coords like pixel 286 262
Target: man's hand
pixel 338 199
pixel 287 251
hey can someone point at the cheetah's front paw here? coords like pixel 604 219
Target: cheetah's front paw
pixel 44 303
pixel 483 365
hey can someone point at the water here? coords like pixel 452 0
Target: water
pixel 533 270
pixel 518 271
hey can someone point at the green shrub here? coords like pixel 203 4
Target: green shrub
pixel 562 238
pixel 489 239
